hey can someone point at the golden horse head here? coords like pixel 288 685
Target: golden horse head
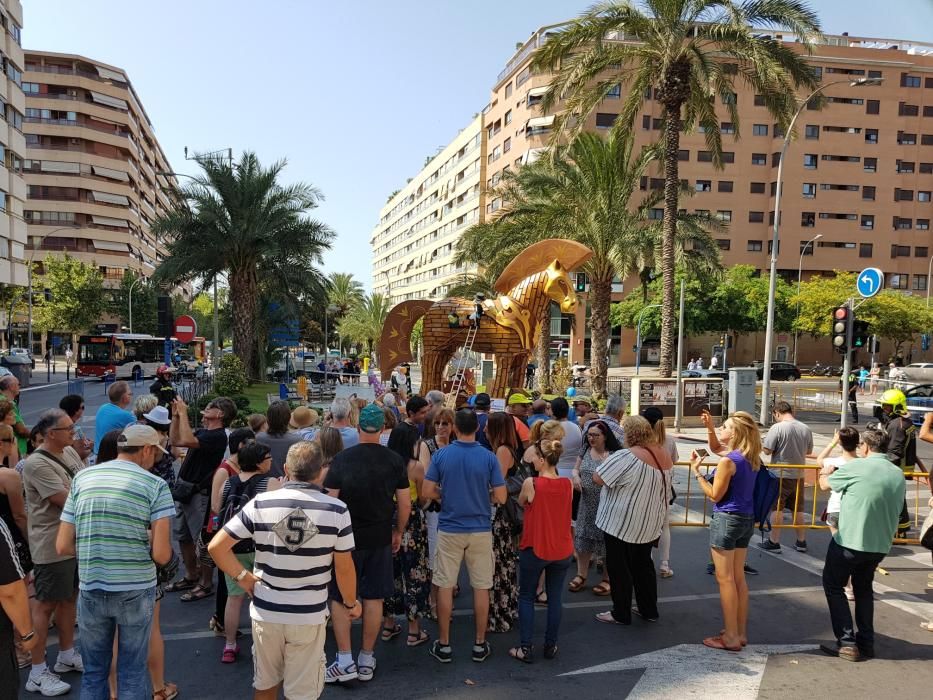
pixel 559 288
pixel 554 257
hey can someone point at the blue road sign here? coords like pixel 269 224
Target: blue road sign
pixel 870 281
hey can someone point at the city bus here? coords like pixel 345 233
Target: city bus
pixel 122 355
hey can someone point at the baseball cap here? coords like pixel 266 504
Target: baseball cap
pixel 518 399
pixel 482 401
pixel 372 419
pixel 159 415
pixel 140 436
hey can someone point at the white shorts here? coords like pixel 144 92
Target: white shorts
pixel 289 654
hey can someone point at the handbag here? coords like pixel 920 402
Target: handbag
pixel 183 491
pixel 926 531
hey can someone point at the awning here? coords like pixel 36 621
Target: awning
pixel 110 198
pixel 107 221
pixel 111 74
pixel 108 100
pixel 58 166
pixel 111 245
pixel 536 122
pixel 112 174
pixel 538 91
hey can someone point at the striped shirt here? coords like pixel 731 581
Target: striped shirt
pixel 296 530
pixel 112 506
pixel 633 504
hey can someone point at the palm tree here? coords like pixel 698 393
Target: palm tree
pixel 344 292
pixel 364 321
pixel 242 222
pixel 687 52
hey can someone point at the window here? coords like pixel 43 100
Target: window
pixel 843 129
pixel 605 120
pixel 874 74
pixel 900 251
pixel 759 159
pixel 779 131
pixel 841 159
pixel 759 100
pixel 806 248
pixel 926 139
pixel 923 224
pixel 725 185
pixel 756 217
pixel 808 219
pixel 868 222
pixel 615 91
pixel 928 111
pixel 870 165
pixel 656 214
pixel 757 188
pixel 907 110
pixel 809 190
pixel 771 247
pixel 724 243
pixel 921 252
pixel 905 139
pixel 838 217
pixel 727 128
pixel 508 90
pixel 919 283
pixel 705 156
pixel 724 215
pixel 923 196
pixel 646 122
pixel 753 246
pixel 507 145
pixel 903 224
pixel 683 155
pixel 868 193
pixel 926 168
pixel 903 195
pixel 904 166
pixel 760 130
pixel 508 117
pixel 846 71
pixel 910 81
pixel 873 107
pixel 871 136
pixel 704 186
pixel 810 161
pixel 728 156
pixel 899 281
pixel 865 250
pixel 31 88
pixel 817 72
pixel 812 131
pixel 730 98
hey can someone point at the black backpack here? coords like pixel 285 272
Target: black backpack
pixel 240 493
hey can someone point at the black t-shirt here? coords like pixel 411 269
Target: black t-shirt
pixel 368 475
pixel 10 572
pixel 201 461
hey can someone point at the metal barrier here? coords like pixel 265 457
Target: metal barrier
pixel 76 386
pixel 621 386
pixel 697 515
pixel 816 399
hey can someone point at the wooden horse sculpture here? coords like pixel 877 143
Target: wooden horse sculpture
pixel 509 325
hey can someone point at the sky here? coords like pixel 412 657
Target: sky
pixel 354 111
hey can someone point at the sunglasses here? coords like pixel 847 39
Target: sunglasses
pixel 441 422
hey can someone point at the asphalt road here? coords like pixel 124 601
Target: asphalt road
pixel 647 660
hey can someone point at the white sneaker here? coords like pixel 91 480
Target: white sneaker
pixel 47 683
pixel 76 664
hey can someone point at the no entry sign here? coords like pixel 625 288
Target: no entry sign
pixel 185 329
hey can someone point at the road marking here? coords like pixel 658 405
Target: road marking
pixel 693 670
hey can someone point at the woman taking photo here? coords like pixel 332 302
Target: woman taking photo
pixel 546 546
pixel 632 510
pixel 599 442
pixel 733 521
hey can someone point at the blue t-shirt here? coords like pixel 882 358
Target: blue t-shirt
pixel 481 419
pixel 465 471
pixel 110 417
pixel 351 438
pixel 535 417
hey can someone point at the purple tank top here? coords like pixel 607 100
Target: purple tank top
pixel 738 499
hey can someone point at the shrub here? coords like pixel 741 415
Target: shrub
pixel 231 376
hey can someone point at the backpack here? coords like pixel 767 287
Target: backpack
pixel 764 498
pixel 514 512
pixel 239 495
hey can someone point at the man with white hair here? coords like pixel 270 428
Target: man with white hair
pixel 340 419
pixel 435 399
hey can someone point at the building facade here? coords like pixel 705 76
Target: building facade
pixel 92 166
pixel 414 243
pixel 13 239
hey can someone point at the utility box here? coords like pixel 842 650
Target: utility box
pixel 20 366
pixel 742 382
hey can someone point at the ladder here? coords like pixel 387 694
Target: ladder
pixel 461 366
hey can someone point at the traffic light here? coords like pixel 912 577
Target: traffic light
pixel 860 334
pixel 842 317
pixel 165 317
pixel 581 281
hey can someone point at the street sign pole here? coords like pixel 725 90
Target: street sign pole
pixel 847 364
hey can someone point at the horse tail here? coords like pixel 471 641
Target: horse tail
pixel 395 341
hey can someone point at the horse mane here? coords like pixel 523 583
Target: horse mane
pixel 538 256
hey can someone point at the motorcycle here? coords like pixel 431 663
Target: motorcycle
pixel 820 370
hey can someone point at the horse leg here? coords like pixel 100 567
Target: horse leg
pixel 502 380
pixel 431 371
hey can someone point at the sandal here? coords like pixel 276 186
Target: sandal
pixel 540 599
pixel 416 640
pixel 199 592
pixel 744 642
pixel 523 653
pixel 928 626
pixel 389 633
pixel 577 584
pixel 182 584
pixel 602 589
pixel 608 618
pixel 169 691
pixel 216 626
pixel 550 651
pixel 717 643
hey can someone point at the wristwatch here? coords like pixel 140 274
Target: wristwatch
pixel 26 637
pixel 240 576
pixel 350 606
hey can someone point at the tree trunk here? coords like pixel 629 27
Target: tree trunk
pixel 668 235
pixel 243 296
pixel 601 290
pixel 543 351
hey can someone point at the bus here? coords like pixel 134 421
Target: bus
pixel 121 355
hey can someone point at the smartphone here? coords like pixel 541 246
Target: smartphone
pixel 702 452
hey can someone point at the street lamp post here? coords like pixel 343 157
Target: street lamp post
pixel 135 282
pixel 772 283
pixel 35 249
pixel 638 336
pixel 929 274
pixel 799 276
pixel 328 310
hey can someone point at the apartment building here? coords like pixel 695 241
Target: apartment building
pixel 91 166
pixel 859 174
pixel 414 241
pixel 12 148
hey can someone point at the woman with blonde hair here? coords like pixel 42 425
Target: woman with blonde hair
pixel 733 522
pixel 143 404
pixel 654 416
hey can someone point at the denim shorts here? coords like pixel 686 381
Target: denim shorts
pixel 730 531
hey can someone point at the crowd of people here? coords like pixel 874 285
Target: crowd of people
pixel 370 510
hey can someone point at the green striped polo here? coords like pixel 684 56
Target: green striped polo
pixel 111 506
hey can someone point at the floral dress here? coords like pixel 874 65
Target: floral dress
pixel 503 597
pixel 589 538
pixel 412 573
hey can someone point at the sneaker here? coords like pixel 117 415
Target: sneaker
pixel 335 674
pixel 481 651
pixel 770 546
pixel 75 665
pixel 800 545
pixel 441 652
pixel 230 654
pixel 665 570
pixel 365 673
pixel 750 571
pixel 47 683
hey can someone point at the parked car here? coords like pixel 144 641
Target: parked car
pixel 780 371
pixel 917 372
pixel 704 374
pixel 918 397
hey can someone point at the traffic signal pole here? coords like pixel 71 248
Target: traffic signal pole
pixel 847 364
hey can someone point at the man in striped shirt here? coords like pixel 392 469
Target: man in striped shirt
pixel 108 513
pixel 300 535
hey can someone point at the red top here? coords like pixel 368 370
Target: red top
pixel 547 520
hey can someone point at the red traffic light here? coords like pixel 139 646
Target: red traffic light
pixel 841 313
